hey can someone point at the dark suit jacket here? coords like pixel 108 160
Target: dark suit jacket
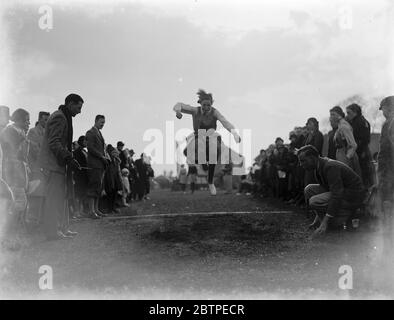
pixel 341 181
pixel 316 139
pixel 96 149
pixel 361 133
pixel 386 153
pixel 81 156
pixel 54 153
pixel 332 150
pixel 81 176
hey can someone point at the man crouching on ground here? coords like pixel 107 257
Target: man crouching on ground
pixel 339 187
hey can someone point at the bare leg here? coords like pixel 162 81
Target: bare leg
pixel 211 172
pixel 92 211
pixel 96 207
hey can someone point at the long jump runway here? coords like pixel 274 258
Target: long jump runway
pixel 172 215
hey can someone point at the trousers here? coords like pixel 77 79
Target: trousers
pixel 56 216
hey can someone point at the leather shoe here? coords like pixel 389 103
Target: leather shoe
pixel 100 214
pixel 70 233
pixel 58 236
pixel 94 215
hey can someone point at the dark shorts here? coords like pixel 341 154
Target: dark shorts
pixel 81 182
pixel 95 185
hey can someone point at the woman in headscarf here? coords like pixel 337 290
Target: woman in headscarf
pixel 81 179
pixel 332 149
pixel 192 174
pixel 142 176
pixel 15 149
pixel 112 179
pixel 271 171
pixel 344 140
pixel 362 136
pixel 314 136
pixel 205 119
pixel 183 178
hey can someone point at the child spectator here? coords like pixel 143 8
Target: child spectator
pixel 192 173
pixel 228 178
pixel 246 184
pixel 126 187
pixel 183 178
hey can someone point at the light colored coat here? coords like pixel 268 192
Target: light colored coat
pixel 35 137
pixel 183 176
pixel 54 152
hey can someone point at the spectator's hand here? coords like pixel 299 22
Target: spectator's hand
pixel 322 228
pixel 179 115
pixel 74 164
pixel 349 154
pixel 382 185
pixel 237 138
pixel 105 161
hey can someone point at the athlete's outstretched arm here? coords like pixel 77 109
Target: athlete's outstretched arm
pixel 180 108
pixel 228 125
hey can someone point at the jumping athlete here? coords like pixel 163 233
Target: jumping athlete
pixel 205 119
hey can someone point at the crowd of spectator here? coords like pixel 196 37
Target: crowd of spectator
pixel 47 178
pixel 277 173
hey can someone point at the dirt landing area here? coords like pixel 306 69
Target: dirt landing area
pixel 263 252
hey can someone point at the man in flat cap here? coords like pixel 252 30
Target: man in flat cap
pixel 57 163
pixel 386 162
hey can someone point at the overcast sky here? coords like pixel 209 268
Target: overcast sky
pixel 269 64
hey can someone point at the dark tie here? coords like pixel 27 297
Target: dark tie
pixel 318 177
pixel 101 136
